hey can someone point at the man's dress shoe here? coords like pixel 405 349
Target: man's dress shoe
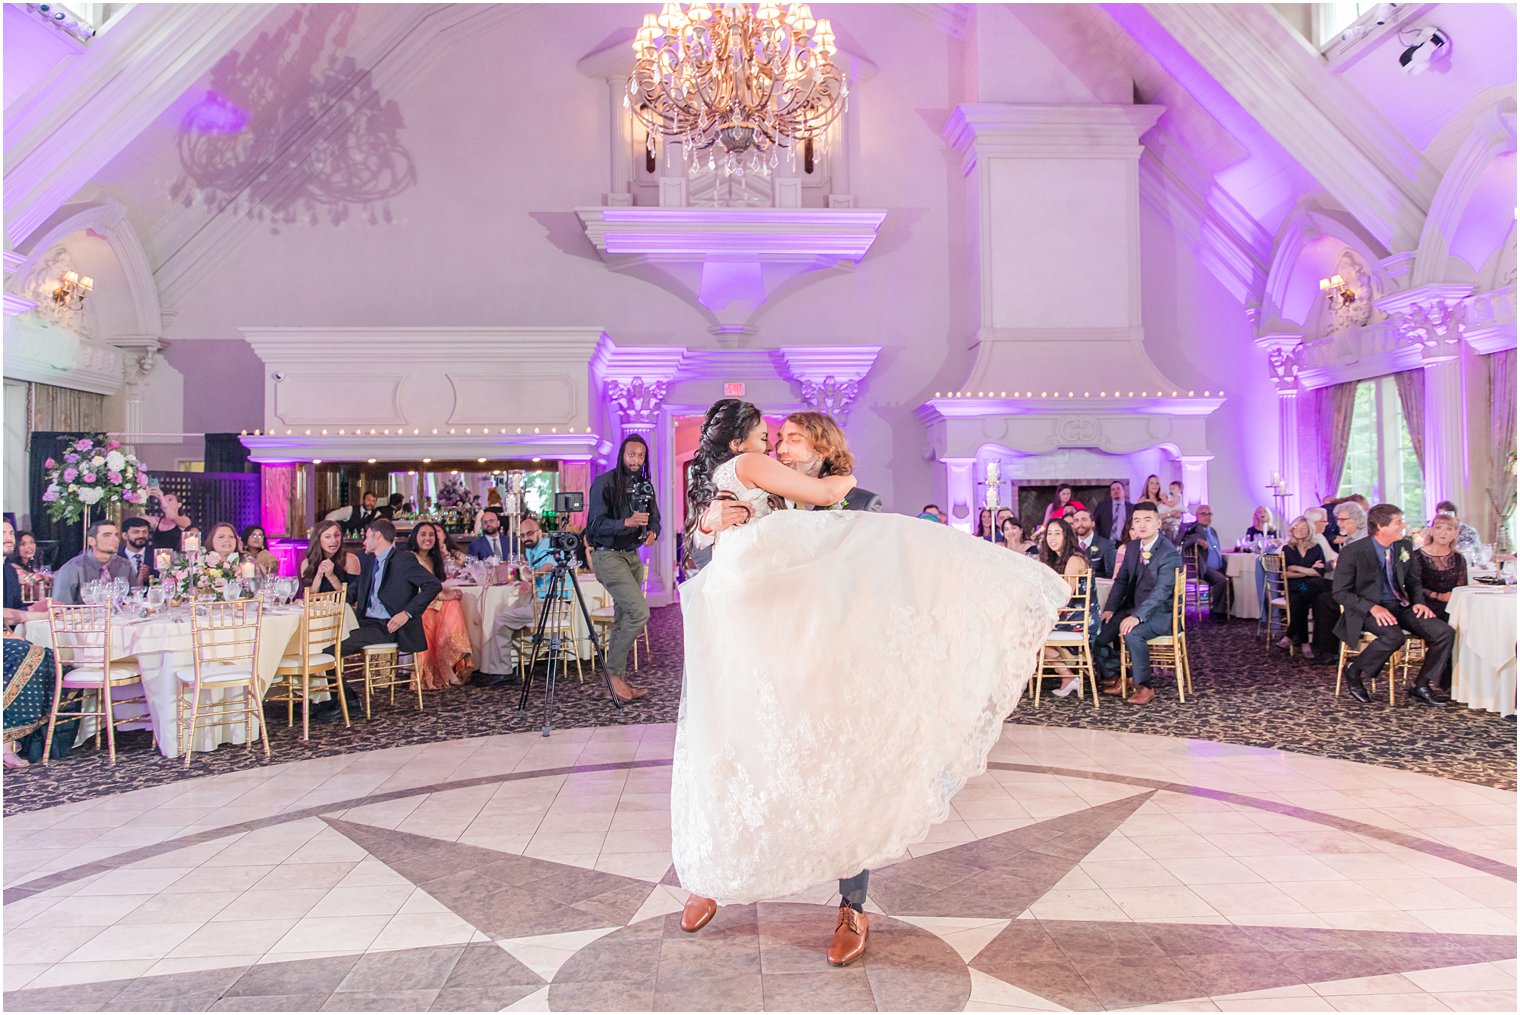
pixel 1358 691
pixel 849 941
pixel 698 913
pixel 1423 693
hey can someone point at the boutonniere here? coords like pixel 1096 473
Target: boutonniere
pixel 836 507
pixel 1403 556
pixel 1145 555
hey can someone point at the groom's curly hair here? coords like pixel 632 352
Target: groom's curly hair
pixel 828 440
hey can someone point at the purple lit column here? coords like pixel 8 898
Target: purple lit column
pixel 960 492
pixel 1195 477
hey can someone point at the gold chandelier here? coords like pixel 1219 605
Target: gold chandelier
pixel 744 79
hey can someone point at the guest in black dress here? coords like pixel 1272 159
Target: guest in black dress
pixel 1442 568
pixel 1304 571
pixel 327 567
pixel 169 520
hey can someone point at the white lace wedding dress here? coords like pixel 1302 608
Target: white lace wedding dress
pixel 846 673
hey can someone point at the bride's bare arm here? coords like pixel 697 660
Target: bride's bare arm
pixel 771 476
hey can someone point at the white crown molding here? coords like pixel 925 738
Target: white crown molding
pixel 82 114
pixel 991 130
pixel 299 446
pixel 814 236
pixel 818 363
pixel 1327 126
pixel 515 345
pixel 1491 320
pixel 960 428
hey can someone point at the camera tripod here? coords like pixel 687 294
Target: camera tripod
pixel 554 627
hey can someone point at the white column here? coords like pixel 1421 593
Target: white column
pixel 1195 477
pixel 960 492
pixel 1287 451
pixel 1445 430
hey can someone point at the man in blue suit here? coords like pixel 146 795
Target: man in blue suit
pixel 491 542
pixel 1139 605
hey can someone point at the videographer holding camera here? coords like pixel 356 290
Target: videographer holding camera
pixel 623 516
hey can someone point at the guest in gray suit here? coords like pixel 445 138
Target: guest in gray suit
pixel 98 561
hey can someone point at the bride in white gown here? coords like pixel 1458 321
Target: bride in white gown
pixel 846 673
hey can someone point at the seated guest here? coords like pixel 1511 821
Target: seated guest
pixel 1139 605
pixel 1261 526
pixel 1467 536
pixel 1330 531
pixel 1099 551
pixel 1378 585
pixel 1060 552
pixel 169 520
pixel 99 561
pixel 1319 524
pixel 539 553
pixel 224 541
pixel 1013 535
pixel 25 556
pixel 1442 566
pixel 985 529
pixel 256 545
pixel 327 567
pixel 936 511
pixel 1202 539
pixel 14 606
pixel 491 542
pixel 1304 574
pixel 29 671
pixel 137 548
pixel 389 594
pixel 1057 507
pixel 1350 524
pixel 447 660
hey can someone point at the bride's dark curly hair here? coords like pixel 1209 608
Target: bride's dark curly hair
pixel 728 419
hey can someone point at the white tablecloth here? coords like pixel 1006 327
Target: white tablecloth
pixel 159 647
pixel 1240 568
pixel 1483 662
pixel 482 611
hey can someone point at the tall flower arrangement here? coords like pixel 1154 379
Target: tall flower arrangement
pixel 94 472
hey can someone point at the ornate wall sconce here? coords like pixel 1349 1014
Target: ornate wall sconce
pixel 72 290
pixel 1337 292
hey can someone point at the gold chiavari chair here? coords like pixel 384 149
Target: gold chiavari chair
pixel 314 665
pixel 381 669
pixel 1167 651
pixel 1070 640
pixel 82 644
pixel 1197 595
pixel 1275 602
pixel 558 625
pixel 1391 667
pixel 224 641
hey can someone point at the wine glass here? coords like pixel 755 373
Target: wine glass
pixel 155 598
pixel 232 590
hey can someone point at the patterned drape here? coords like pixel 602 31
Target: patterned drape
pixel 1411 385
pixel 1327 437
pixel 55 408
pixel 575 476
pixel 1501 443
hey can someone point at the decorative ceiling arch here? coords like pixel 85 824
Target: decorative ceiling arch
pixel 1492 137
pixel 1288 304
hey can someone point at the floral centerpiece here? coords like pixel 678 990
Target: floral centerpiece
pixel 206 575
pixel 451 494
pixel 94 472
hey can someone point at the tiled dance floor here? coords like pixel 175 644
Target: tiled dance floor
pixel 1086 870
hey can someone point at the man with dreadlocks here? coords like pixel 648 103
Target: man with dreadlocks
pixel 621 517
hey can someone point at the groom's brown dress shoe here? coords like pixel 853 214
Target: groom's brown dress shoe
pixel 849 941
pixel 1143 696
pixel 697 913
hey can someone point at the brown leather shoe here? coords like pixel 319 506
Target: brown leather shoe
pixel 849 941
pixel 1142 695
pixel 1113 688
pixel 697 913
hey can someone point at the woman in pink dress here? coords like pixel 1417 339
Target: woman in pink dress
pixel 448 660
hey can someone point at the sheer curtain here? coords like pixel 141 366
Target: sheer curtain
pixel 575 476
pixel 1501 443
pixel 1411 385
pixel 1327 435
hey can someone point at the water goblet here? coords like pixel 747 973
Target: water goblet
pixel 232 590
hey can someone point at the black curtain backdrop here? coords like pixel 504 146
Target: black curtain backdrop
pixel 225 453
pixel 56 541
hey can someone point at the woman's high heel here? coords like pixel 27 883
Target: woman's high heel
pixel 1066 688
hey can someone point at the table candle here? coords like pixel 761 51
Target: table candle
pixel 191 543
pixel 248 569
pixel 163 560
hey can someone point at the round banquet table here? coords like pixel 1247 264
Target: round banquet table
pixel 483 606
pixel 161 645
pixel 1241 569
pixel 1483 661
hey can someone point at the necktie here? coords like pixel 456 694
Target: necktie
pixel 495 547
pixel 1393 584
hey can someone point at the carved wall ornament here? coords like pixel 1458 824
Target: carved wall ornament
pixel 638 403
pixel 39 284
pixel 1439 322
pixel 831 397
pixel 1284 364
pixel 1342 315
pixel 1078 430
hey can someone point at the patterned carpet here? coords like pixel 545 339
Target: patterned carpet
pixel 1243 696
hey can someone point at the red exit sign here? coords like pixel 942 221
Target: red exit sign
pixel 733 390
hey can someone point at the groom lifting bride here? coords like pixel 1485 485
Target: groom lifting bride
pixel 804 637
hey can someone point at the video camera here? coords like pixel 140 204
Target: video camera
pixel 641 493
pixel 566 545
